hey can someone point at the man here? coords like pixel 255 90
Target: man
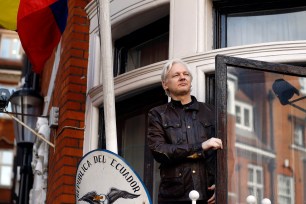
pixel 181 138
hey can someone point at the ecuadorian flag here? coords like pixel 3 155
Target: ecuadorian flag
pixel 39 23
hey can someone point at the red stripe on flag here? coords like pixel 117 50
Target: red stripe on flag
pixel 38 31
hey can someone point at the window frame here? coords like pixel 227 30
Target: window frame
pixel 291 187
pixel 221 64
pixel 254 185
pixel 244 106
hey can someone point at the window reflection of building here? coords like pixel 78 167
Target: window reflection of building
pixel 285 189
pixel 244 116
pixel 298 135
pixel 255 181
pixel 6 167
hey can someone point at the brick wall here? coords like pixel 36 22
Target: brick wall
pixel 69 95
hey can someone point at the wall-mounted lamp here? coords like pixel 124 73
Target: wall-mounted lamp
pixel 285 91
pixel 26 107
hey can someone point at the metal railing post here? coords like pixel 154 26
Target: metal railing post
pixel 252 200
pixel 194 196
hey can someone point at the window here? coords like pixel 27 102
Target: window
pixel 145 46
pixel 299 135
pixel 10 47
pixel 285 189
pixel 6 167
pixel 258 22
pixel 255 181
pixel 244 114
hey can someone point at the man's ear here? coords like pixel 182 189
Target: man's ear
pixel 164 84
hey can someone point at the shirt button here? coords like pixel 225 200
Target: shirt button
pixel 193 171
pixel 188 126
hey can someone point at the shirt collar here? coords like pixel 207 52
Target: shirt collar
pixel 193 105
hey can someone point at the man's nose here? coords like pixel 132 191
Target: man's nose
pixel 182 77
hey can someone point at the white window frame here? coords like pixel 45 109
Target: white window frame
pixel 243 107
pixel 2 164
pixel 253 184
pixel 281 185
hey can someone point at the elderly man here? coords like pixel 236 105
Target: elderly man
pixel 181 138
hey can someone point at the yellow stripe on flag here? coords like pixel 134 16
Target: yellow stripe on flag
pixel 8 14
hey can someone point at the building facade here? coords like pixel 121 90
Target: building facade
pixel 266 158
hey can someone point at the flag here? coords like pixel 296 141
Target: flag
pixel 39 23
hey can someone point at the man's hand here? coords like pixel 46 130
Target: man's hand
pixel 212 143
pixel 212 200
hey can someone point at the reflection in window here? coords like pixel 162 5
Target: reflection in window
pixel 244 116
pixel 255 181
pixel 285 189
pixel 10 47
pixel 6 167
pixel 299 135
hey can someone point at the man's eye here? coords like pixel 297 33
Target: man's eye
pixel 176 75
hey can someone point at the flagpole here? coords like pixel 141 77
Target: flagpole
pixel 106 63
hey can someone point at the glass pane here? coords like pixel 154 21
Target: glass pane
pixel 256 27
pixel 246 117
pixel 251 175
pixel 238 115
pixel 266 154
pixel 153 50
pixel 258 176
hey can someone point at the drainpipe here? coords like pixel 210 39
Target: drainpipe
pixel 106 62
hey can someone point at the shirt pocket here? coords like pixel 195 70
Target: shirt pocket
pixel 173 129
pixel 206 130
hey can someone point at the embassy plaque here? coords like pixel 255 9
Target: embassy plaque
pixel 104 177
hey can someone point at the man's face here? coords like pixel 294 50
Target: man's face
pixel 178 81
